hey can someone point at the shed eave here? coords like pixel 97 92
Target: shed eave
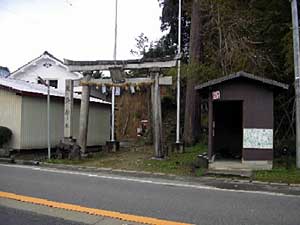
pixel 242 74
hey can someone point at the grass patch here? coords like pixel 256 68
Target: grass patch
pixel 180 164
pixel 280 174
pixel 140 159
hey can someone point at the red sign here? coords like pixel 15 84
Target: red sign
pixel 216 95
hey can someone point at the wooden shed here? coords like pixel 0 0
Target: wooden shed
pixel 240 118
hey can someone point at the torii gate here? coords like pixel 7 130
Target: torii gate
pixel 116 67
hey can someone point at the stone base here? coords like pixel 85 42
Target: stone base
pixel 5 152
pixel 68 149
pixel 259 164
pixel 178 147
pixel 113 146
pixel 237 165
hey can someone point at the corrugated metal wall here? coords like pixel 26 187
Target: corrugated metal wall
pixel 98 125
pixel 34 122
pixel 10 115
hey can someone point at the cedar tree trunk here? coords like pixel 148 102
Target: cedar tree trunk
pixel 192 112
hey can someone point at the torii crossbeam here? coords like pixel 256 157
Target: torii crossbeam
pixel 133 64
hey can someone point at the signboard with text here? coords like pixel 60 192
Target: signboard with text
pixel 216 95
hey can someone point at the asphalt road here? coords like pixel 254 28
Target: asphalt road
pixel 153 198
pixel 21 217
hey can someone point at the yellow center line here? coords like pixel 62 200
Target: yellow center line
pixel 92 211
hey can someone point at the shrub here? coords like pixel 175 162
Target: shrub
pixel 5 135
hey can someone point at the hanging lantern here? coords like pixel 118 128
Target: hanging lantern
pixel 117 91
pixel 138 88
pixel 132 89
pixel 103 89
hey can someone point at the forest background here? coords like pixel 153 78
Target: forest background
pixel 221 37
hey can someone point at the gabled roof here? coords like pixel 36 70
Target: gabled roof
pixel 42 56
pixel 242 74
pixel 24 87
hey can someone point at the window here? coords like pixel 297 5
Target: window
pixel 53 83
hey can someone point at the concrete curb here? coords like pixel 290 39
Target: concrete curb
pixel 7 160
pixel 108 170
pixel 27 162
pixel 238 173
pixel 143 173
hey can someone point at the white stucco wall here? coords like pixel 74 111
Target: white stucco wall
pixel 10 115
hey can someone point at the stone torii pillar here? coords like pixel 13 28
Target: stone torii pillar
pixel 84 115
pixel 156 115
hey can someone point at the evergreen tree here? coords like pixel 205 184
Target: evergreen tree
pixel 220 37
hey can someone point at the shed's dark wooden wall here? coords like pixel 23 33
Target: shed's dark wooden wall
pixel 257 109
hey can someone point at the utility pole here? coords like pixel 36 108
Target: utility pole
pixel 113 87
pixel 297 74
pixel 113 144
pixel 47 84
pixel 48 121
pixel 179 145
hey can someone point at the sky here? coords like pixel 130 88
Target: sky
pixel 73 29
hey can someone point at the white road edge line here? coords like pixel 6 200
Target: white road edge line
pixel 203 187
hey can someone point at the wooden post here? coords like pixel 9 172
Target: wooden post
pixel 297 75
pixel 84 115
pixel 210 126
pixel 156 116
pixel 68 114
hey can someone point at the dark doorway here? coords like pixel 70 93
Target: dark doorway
pixel 228 129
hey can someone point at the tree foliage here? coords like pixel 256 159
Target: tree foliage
pixel 238 34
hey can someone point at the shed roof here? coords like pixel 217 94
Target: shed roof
pixel 25 87
pixel 242 74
